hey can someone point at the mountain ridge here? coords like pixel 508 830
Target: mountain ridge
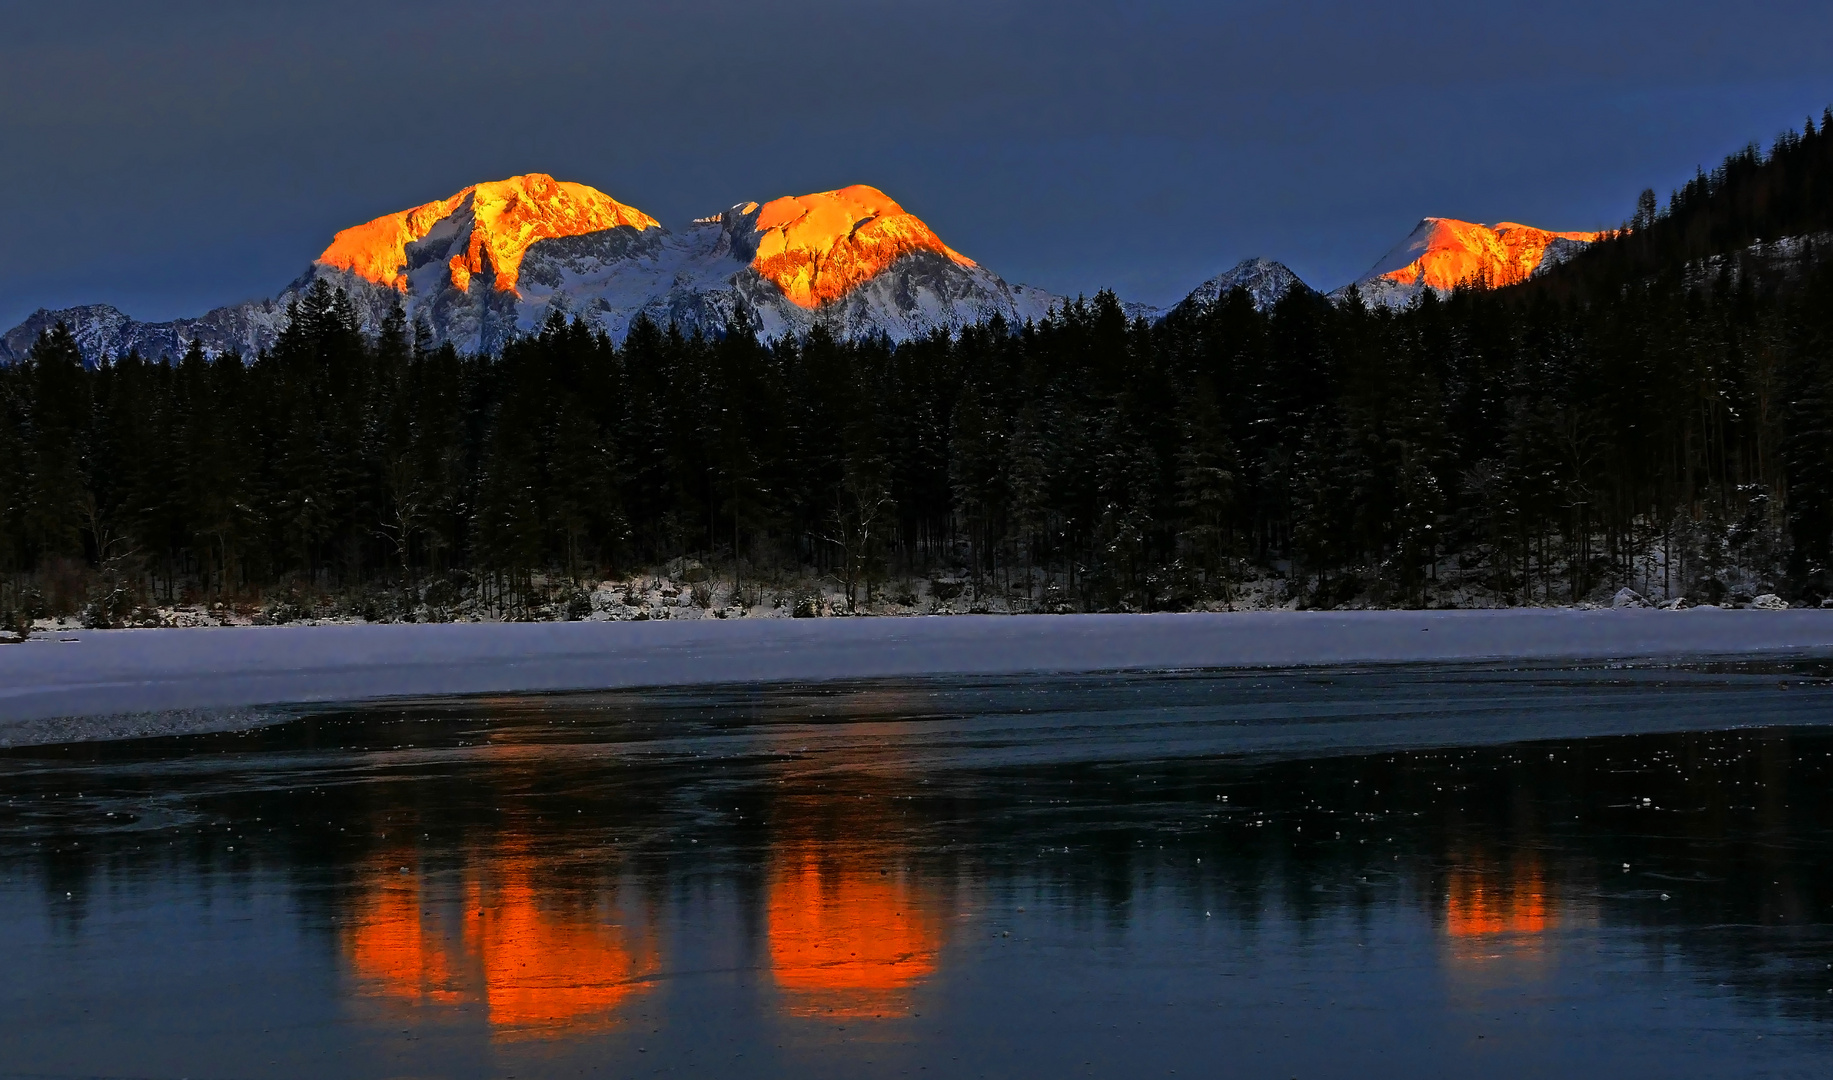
pixel 496 221
pixel 1443 253
pixel 495 258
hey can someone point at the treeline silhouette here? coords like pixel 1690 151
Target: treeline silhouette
pixel 1658 413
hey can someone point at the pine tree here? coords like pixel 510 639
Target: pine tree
pixel 1029 469
pixel 1205 487
pixel 56 439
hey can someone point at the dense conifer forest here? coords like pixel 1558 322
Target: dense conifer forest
pixel 1657 414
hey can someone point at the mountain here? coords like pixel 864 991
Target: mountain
pixel 484 229
pixel 1441 253
pixel 494 258
pixel 852 260
pixel 104 332
pixel 1266 281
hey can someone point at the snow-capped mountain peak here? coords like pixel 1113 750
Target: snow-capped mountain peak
pixel 495 258
pixel 817 248
pixel 1266 281
pixel 1443 253
pixel 485 228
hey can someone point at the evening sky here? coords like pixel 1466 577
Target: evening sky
pixel 171 157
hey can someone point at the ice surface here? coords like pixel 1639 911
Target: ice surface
pixel 161 676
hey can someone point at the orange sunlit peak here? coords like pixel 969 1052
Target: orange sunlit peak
pixel 507 217
pixel 817 248
pixel 1445 252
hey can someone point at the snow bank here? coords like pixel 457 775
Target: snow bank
pixel 163 676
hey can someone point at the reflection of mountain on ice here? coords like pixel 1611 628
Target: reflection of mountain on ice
pixel 538 967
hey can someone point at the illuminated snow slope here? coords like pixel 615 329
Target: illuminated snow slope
pixel 1439 254
pixel 484 229
pixel 1442 253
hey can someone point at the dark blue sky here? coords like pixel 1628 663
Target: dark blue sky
pixel 170 157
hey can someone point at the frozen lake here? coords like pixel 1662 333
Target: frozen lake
pixel 1411 870
pixel 117 682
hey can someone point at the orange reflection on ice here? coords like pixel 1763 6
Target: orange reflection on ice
pixel 1498 923
pixel 1478 908
pixel 539 967
pixel 848 940
pixel 546 971
pixel 1481 904
pixel 394 947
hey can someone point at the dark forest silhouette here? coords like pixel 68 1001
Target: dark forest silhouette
pixel 1657 413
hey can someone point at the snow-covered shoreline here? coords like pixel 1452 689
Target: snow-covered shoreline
pixel 95 674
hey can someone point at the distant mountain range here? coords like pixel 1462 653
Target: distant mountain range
pixel 495 258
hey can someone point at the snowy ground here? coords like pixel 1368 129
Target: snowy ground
pixel 99 684
pixel 679 590
pixel 686 590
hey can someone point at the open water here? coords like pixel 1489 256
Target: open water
pixel 1389 872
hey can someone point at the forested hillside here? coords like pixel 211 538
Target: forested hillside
pixel 1657 413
